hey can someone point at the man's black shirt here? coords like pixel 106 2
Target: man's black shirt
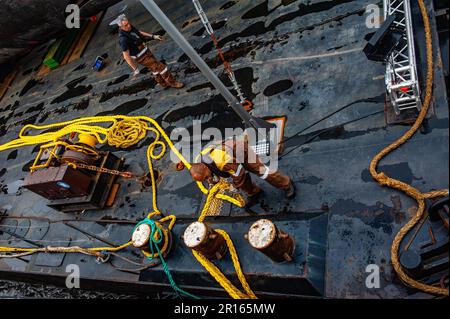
pixel 131 40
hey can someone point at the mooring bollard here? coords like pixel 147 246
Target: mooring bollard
pixel 205 240
pixel 141 237
pixel 264 236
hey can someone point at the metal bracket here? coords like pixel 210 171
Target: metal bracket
pixel 401 70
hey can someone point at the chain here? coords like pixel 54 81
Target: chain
pixel 103 170
pixel 106 170
pixel 227 67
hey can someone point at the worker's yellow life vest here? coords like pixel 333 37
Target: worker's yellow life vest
pixel 219 156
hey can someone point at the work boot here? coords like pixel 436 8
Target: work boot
pixel 160 80
pixel 170 80
pixel 290 192
pixel 177 85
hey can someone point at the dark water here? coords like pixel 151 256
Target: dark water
pixel 6 108
pixel 82 105
pixel 80 67
pixel 261 10
pixel 26 167
pixel 36 108
pixel 235 52
pixel 186 23
pixel 44 117
pixel 200 87
pixel 26 72
pixel 119 80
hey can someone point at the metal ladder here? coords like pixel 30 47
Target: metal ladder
pixel 401 70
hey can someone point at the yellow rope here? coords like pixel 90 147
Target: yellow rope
pixel 122 132
pixel 95 251
pixel 408 189
pixel 216 192
pixel 126 131
pixel 209 266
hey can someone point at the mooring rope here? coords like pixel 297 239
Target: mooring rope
pixel 411 191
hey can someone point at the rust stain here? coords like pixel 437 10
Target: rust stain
pixel 396 211
pixel 412 211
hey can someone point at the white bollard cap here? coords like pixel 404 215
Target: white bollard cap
pixel 194 234
pixel 141 235
pixel 261 234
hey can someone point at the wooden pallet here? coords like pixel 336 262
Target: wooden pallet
pixel 74 45
pixel 43 71
pixel 85 36
pixel 78 46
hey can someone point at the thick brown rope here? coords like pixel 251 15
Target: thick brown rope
pixel 406 188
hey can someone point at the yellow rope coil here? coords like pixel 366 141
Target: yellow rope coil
pixel 420 197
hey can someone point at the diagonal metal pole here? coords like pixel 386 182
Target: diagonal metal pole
pixel 233 102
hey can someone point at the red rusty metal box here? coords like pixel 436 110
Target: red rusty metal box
pixel 58 182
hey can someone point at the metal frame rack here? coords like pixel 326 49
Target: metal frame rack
pixel 401 71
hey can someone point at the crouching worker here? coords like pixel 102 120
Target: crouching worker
pixel 132 41
pixel 235 158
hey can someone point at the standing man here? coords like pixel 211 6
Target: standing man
pixel 234 158
pixel 132 41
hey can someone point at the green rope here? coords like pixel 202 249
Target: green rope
pixel 153 244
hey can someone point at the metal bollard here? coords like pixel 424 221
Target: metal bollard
pixel 411 262
pixel 264 236
pixel 141 236
pixel 205 240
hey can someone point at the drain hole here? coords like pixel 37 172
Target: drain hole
pixel 148 179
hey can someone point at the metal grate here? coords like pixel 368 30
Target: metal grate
pixel 401 70
pixel 262 148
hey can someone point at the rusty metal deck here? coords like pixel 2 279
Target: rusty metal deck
pixel 303 60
